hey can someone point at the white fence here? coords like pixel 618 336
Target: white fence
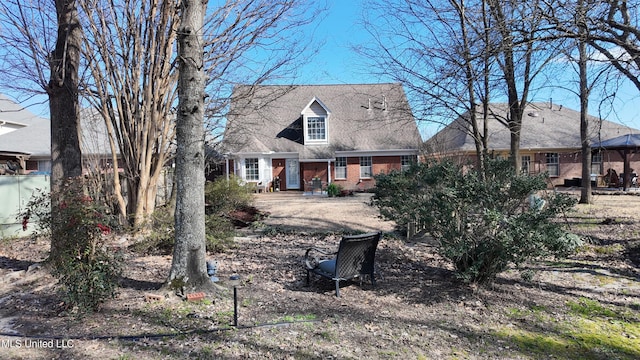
pixel 15 193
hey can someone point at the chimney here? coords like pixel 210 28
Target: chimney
pixel 384 103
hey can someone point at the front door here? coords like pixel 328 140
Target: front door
pixel 293 174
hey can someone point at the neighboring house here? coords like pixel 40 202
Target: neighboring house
pixel 342 134
pixel 25 140
pixel 550 142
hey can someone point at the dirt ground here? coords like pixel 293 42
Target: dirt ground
pixel 584 307
pixel 314 213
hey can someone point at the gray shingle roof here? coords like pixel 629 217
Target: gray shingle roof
pixel 33 139
pixel 544 127
pixel 268 118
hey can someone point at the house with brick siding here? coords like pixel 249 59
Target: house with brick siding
pixel 290 137
pixel 549 142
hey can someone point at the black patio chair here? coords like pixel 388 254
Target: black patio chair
pixel 354 259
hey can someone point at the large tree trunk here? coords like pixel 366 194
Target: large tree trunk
pixel 66 156
pixel 188 267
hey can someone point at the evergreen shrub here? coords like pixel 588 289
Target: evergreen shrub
pixel 482 224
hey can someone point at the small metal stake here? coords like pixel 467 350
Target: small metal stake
pixel 235 306
pixel 234 280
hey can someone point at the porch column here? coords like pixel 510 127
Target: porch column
pixel 226 160
pixel 328 171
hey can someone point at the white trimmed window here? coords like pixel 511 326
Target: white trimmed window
pixel 316 128
pixel 366 168
pixel 251 169
pixel 341 168
pixel 596 163
pixel 315 120
pixel 526 164
pixel 553 164
pixel 406 161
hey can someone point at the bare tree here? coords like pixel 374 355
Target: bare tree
pixel 130 53
pixel 62 62
pixel 214 57
pixel 24 66
pixel 616 34
pixel 438 50
pixel 577 23
pixel 36 64
pixel 251 42
pixel 523 51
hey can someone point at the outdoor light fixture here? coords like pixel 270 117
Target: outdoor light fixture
pixel 234 280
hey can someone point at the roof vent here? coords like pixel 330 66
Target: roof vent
pixel 533 114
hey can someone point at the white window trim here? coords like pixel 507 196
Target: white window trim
pixel 370 166
pixel 528 162
pixel 411 160
pixel 555 165
pixel 264 168
pixel 244 169
pixel 305 124
pixel 309 141
pixel 345 168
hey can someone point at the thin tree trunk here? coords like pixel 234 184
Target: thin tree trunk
pixel 585 194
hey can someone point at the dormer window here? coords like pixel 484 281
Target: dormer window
pixel 315 123
pixel 316 129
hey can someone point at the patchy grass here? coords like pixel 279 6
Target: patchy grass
pixel 587 330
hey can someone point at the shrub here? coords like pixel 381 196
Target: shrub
pixel 219 233
pixel 161 238
pixel 37 213
pixel 86 270
pixel 222 196
pixel 334 190
pixel 482 225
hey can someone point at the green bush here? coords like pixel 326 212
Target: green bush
pixel 219 232
pixel 334 190
pixel 482 225
pixel 86 270
pixel 222 196
pixel 160 240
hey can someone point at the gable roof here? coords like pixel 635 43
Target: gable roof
pixel 544 127
pixel 363 117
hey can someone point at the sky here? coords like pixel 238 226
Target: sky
pixel 337 63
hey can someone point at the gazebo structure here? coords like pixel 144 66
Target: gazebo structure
pixel 626 145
